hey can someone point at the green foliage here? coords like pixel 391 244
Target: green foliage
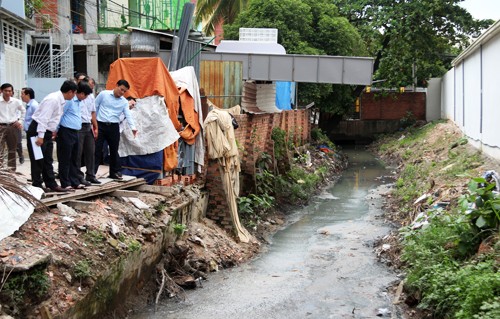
pixel 319 137
pixel 462 163
pixel 179 229
pixel 95 237
pixel 297 185
pixel 414 36
pixel 213 12
pixel 134 245
pixel 32 6
pixel 409 186
pixel 265 162
pixel 160 206
pixel 265 182
pixel 438 269
pixel 482 206
pixel 281 145
pixel 254 207
pixel 408 120
pixel 82 269
pixel 18 287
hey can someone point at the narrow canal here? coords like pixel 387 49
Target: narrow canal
pixel 321 266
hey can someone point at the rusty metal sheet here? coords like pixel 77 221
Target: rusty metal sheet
pixel 222 81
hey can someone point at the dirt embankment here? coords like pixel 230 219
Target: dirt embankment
pixel 68 249
pixel 433 166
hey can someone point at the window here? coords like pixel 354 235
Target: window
pixel 12 35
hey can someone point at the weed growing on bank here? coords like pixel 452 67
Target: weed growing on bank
pixel 290 178
pixel 450 236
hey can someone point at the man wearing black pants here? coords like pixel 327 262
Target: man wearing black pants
pixel 67 138
pixel 110 104
pixel 44 125
pixel 86 139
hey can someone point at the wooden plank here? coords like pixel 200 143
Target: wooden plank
pixel 124 193
pixel 92 191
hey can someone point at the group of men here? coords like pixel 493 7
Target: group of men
pixel 80 124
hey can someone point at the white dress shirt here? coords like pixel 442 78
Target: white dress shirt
pixel 49 112
pixel 88 106
pixel 11 111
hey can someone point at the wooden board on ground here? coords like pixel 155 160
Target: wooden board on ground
pixel 92 191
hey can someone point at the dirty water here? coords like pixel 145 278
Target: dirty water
pixel 321 266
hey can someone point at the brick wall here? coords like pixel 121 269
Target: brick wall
pixel 253 137
pixel 50 9
pixel 394 106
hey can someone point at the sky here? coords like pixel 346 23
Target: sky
pixel 483 9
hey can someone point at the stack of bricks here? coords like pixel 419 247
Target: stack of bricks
pixel 218 209
pixel 176 179
pixel 49 9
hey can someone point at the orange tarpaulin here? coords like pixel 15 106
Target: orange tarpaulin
pixel 191 116
pixel 147 77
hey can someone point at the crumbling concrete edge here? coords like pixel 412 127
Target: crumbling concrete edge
pixel 127 274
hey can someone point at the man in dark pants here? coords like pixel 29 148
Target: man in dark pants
pixel 28 97
pixel 67 138
pixel 44 124
pixel 110 104
pixel 86 139
pixel 12 114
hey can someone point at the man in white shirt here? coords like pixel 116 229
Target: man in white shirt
pixel 43 127
pixel 12 114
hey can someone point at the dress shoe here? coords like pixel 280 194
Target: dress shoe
pixel 93 180
pixel 85 183
pixel 78 187
pixel 21 160
pixel 59 189
pixel 114 176
pixel 119 174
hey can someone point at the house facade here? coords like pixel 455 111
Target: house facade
pixel 88 35
pixel 13 58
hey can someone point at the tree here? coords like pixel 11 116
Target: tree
pixel 213 12
pixel 306 27
pixel 411 36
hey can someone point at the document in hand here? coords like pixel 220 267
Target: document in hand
pixel 37 150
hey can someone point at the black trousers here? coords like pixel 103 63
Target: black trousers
pixel 42 169
pixel 109 132
pixel 67 155
pixel 86 149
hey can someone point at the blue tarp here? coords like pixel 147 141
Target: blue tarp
pixel 147 166
pixel 285 95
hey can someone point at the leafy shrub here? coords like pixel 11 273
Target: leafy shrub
pixel 438 268
pixel 179 229
pixel 82 269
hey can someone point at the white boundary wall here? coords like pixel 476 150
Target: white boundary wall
pixel 471 92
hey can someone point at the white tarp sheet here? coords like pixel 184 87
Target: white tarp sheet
pixel 186 78
pixel 155 129
pixel 15 209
